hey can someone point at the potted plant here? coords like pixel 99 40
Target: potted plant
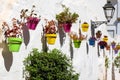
pixel 102 44
pixel 13 35
pixel 32 19
pixel 76 39
pixel 105 38
pixel 50 32
pixel 92 41
pixel 66 18
pixel 53 65
pixel 113 44
pixel 98 34
pixel 85 27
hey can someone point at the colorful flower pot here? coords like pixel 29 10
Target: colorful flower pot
pixel 85 27
pixel 118 46
pixel 92 42
pixel 102 47
pixel 76 43
pixel 108 47
pixel 32 22
pixel 67 27
pixel 105 38
pixel 14 44
pixel 98 34
pixel 51 38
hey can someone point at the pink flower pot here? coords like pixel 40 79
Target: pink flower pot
pixel 67 27
pixel 32 22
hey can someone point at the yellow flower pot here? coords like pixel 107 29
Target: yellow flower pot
pixel 85 27
pixel 51 38
pixel 105 38
pixel 118 46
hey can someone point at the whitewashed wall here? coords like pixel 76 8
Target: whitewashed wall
pixel 89 66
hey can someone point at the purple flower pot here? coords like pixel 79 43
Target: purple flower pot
pixel 113 46
pixel 67 27
pixel 116 51
pixel 32 22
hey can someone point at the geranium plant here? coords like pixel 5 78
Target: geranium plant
pixel 13 36
pixel 102 44
pixel 50 31
pixel 50 27
pixel 15 31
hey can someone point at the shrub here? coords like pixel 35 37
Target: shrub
pixel 53 65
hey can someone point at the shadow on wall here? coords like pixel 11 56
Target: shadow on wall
pixel 7 56
pixel 62 34
pixel 26 35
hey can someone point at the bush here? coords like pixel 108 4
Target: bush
pixel 53 65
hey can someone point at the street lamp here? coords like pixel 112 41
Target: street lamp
pixel 109 12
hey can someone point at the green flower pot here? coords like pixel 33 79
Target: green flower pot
pixel 14 44
pixel 77 43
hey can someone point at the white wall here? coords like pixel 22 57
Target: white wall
pixel 89 66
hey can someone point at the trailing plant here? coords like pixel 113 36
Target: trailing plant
pixel 53 65
pixel 66 16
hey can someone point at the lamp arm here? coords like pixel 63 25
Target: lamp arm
pixel 95 24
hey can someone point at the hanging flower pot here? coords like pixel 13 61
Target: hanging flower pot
pixel 105 38
pixel 98 34
pixel 67 27
pixel 32 22
pixel 116 50
pixel 51 38
pixel 85 27
pixel 102 44
pixel 118 46
pixel 113 44
pixel 92 41
pixel 77 43
pixel 14 44
pixel 108 47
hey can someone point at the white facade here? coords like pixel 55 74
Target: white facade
pixel 90 67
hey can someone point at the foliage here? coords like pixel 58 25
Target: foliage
pixel 24 13
pixel 53 65
pixel 66 16
pixel 106 62
pixel 50 27
pixel 117 61
pixel 15 31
